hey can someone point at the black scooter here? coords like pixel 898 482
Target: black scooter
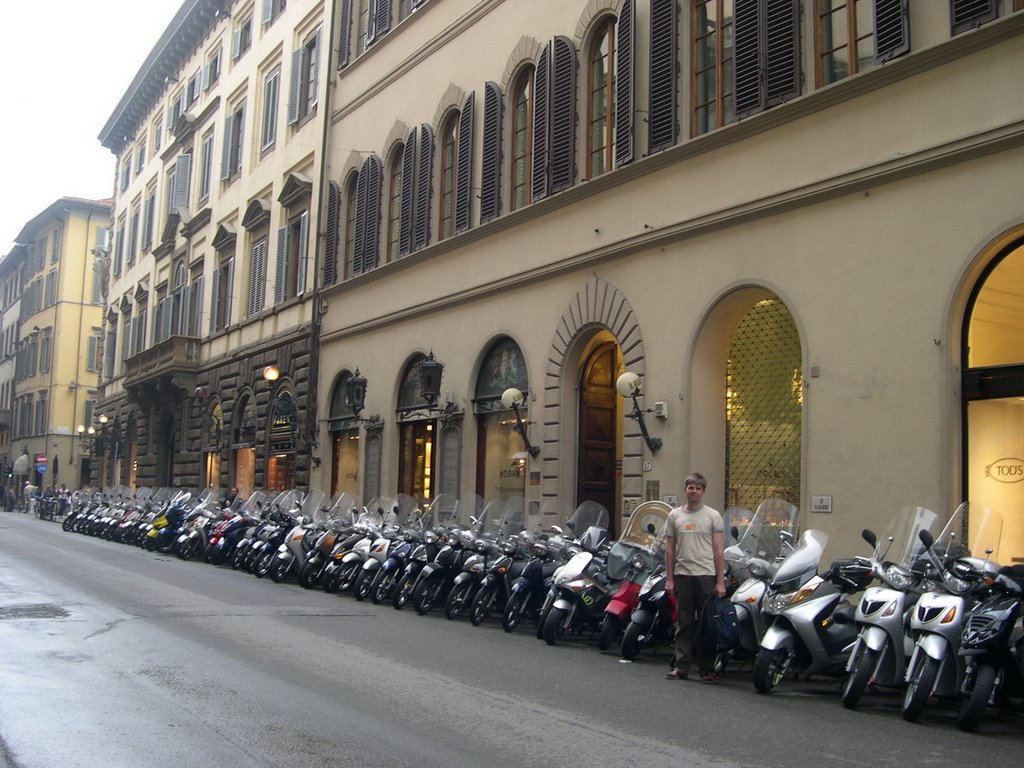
pixel 993 644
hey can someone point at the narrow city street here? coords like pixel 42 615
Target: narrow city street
pixel 117 657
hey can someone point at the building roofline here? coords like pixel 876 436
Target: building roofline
pixel 54 211
pixel 189 27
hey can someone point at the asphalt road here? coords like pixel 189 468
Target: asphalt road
pixel 111 656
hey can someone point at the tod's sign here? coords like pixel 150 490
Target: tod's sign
pixel 1008 470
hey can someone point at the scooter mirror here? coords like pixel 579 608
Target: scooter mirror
pixel 734 532
pixel 869 536
pixel 926 537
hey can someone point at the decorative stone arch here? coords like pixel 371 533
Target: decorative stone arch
pixel 397 135
pixel 352 164
pixel 453 99
pixel 598 305
pixel 526 52
pixel 591 14
pixel 706 359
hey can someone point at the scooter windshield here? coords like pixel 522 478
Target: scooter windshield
pixel 900 542
pixel 763 536
pixel 970 531
pixel 646 525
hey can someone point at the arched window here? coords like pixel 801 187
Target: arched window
pixel 601 100
pixel 522 146
pixel 394 231
pixel 449 150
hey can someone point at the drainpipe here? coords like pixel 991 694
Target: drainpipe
pixel 313 393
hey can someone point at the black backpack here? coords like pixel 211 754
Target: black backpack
pixel 721 624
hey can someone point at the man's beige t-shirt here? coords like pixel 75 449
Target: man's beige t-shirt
pixel 695 554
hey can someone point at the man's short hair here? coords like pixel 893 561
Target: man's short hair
pixel 696 478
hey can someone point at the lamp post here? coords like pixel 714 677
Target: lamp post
pixel 513 398
pixel 431 370
pixel 628 385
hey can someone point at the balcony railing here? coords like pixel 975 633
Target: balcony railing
pixel 173 358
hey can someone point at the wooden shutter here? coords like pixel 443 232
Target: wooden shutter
pixel 268 11
pixel 314 74
pixel 892 29
pixel 236 42
pixel 661 119
pixel 225 158
pixel 183 172
pixel 425 164
pixel 490 172
pixel 407 209
pixel 464 168
pixel 370 33
pixel 345 34
pixel 281 268
pixel 968 14
pixel 360 234
pixel 373 170
pixel 214 300
pixel 781 51
pixel 541 130
pixel 383 17
pixel 331 235
pixel 271 93
pixel 624 106
pixel 196 313
pixel 256 277
pixel 294 86
pixel 563 115
pixel 746 57
pixel 300 267
pixel 228 281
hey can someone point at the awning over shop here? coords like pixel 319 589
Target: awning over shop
pixel 21 464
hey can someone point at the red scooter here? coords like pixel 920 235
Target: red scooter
pixel 632 559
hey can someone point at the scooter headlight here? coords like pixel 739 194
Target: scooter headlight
pixel 637 563
pixel 898 577
pixel 775 603
pixel 758 569
pixel 804 593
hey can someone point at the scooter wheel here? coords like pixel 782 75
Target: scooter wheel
pixel 482 603
pixel 769 668
pixel 920 684
pixel 363 583
pixel 457 600
pixel 973 708
pixel 609 631
pixel 553 625
pixel 307 576
pixel 513 612
pixel 381 587
pixel 403 591
pixel 857 678
pixel 631 641
pixel 279 569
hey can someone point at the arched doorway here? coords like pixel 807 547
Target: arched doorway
pixel 243 446
pixel 281 452
pixel 599 427
pixel 417 465
pixel 502 461
pixel 344 431
pixel 993 396
pixel 746 408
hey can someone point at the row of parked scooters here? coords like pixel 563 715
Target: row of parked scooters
pixel 930 619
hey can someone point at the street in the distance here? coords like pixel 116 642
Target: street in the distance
pixel 117 657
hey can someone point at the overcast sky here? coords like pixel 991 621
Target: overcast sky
pixel 65 66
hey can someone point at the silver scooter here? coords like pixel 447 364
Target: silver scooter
pixel 813 629
pixel 883 645
pixel 935 667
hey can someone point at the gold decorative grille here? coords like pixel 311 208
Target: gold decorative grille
pixel 763 401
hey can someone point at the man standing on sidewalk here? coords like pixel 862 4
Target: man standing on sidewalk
pixel 694 572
